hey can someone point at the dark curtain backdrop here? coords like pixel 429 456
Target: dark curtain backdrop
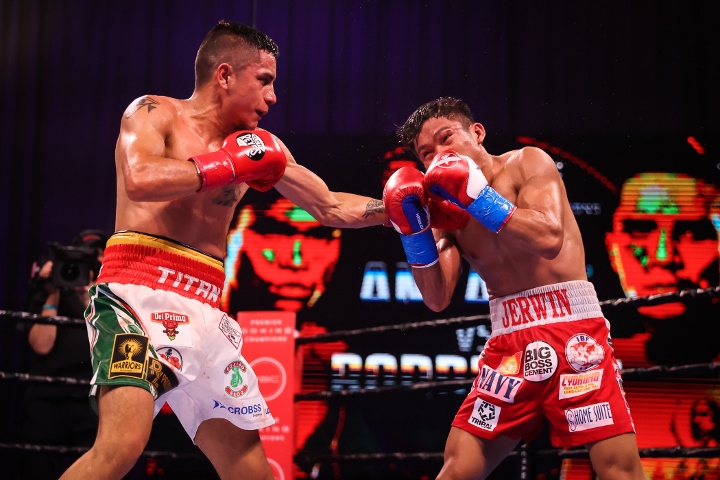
pixel 69 69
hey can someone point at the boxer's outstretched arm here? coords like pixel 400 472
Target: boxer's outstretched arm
pixel 145 172
pixel 332 209
pixel 437 282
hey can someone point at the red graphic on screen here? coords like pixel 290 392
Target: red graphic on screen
pixel 290 254
pixel 665 237
pixel 281 258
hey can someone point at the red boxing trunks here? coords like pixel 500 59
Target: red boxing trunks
pixel 549 355
pixel 154 323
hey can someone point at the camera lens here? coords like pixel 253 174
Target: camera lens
pixel 70 272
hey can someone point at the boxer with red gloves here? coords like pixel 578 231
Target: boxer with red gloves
pixel 247 156
pixel 457 179
pixel 165 258
pixel 516 229
pixel 407 211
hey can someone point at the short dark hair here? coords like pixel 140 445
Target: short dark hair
pixel 230 42
pixel 447 107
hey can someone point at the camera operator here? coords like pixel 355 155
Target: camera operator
pixel 59 414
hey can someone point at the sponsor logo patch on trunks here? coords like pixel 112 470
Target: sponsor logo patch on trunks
pixel 485 415
pixel 589 416
pixel 539 362
pixel 510 365
pixel 232 333
pixel 574 385
pixel 171 355
pixel 583 353
pixel 255 410
pixel 161 376
pixel 497 385
pixel 235 385
pixel 128 356
pixel 171 321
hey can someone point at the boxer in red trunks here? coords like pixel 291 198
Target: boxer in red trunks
pixel 549 355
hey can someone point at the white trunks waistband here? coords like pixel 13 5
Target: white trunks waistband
pixel 560 302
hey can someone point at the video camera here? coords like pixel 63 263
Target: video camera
pixel 72 265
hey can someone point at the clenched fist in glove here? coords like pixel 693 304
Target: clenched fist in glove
pixel 406 208
pixel 250 156
pixel 458 179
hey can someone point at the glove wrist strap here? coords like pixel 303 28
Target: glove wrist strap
pixel 491 209
pixel 420 248
pixel 215 169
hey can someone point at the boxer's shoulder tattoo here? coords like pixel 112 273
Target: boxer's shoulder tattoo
pixel 374 207
pixel 148 102
pixel 227 196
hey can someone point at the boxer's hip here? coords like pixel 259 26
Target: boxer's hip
pixel 162 264
pixel 556 303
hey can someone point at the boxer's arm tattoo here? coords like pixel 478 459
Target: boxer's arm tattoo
pixel 143 102
pixel 374 207
pixel 226 197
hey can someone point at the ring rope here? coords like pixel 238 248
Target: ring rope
pixel 677 452
pixel 657 299
pixel 685 371
pixel 26 377
pixel 29 447
pixel 699 370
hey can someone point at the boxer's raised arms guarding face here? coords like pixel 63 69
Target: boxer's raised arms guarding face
pixel 509 216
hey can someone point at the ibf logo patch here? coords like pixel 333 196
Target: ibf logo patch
pixel 574 385
pixel 128 356
pixel 256 150
pixel 485 415
pixel 171 321
pixel 589 417
pixel 497 385
pixel 583 353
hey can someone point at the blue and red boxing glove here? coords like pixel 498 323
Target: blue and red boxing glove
pixel 457 179
pixel 246 156
pixel 406 208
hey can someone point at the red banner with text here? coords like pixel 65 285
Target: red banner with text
pixel 269 346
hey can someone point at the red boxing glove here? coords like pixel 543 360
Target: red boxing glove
pixel 250 156
pixel 459 180
pixel 405 202
pixel 446 215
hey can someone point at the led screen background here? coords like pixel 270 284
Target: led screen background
pixel 366 284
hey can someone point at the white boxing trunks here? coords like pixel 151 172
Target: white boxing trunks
pixel 154 323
